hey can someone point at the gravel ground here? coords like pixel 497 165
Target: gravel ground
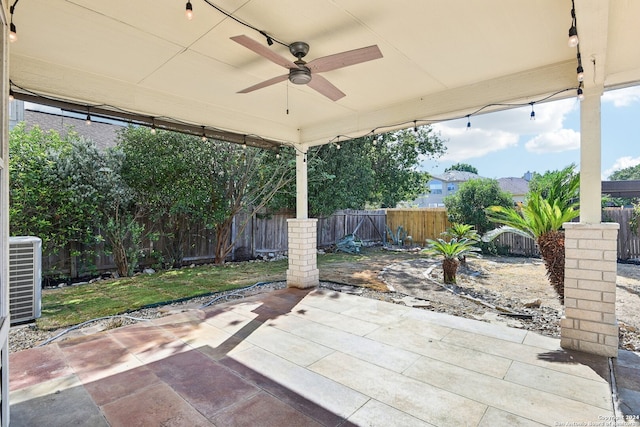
pixel 509 291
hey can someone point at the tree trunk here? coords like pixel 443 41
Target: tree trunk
pixel 450 267
pixel 551 246
pixel 223 234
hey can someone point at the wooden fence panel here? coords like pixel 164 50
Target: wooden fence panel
pixel 628 240
pixel 421 224
pixel 265 234
pixel 518 245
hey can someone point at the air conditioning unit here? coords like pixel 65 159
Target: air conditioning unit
pixel 25 278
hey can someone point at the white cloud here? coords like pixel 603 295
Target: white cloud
pixel 622 97
pixel 554 142
pixel 621 163
pixel 468 143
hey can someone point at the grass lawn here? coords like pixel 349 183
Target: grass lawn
pixel 75 304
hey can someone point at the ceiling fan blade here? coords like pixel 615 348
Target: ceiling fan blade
pixel 344 59
pixel 325 87
pixel 263 51
pixel 265 83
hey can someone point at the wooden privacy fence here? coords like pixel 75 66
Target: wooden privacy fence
pixel 265 234
pixel 421 224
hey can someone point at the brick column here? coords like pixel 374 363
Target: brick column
pixel 303 266
pixel 589 323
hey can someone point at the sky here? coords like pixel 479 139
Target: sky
pixel 509 143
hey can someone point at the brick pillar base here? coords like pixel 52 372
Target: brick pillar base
pixel 589 323
pixel 303 264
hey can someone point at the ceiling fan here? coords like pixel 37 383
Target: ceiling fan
pixel 301 72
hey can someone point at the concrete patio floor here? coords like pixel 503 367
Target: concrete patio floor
pixel 317 358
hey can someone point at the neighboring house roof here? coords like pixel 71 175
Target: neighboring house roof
pixel 456 176
pixel 515 186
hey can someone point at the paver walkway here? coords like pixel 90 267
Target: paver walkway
pixel 314 358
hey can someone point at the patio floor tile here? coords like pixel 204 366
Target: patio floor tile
pixel 417 398
pixel 71 406
pixel 37 365
pixel 263 410
pixel 495 417
pixel 331 395
pixel 581 389
pixel 524 401
pixel 205 384
pixel 117 386
pixel 377 414
pixel 157 405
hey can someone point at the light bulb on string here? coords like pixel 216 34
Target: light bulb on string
pixel 573 37
pixel 580 72
pixel 11 97
pixel 189 11
pixel 533 113
pixel 204 135
pixel 13 34
pixel 580 94
pixel 88 119
pixel 468 122
pixel 153 127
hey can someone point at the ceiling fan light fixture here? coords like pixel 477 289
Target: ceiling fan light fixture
pixel 300 76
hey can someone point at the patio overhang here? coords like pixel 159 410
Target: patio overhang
pixel 440 60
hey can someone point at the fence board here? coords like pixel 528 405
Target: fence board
pixel 421 224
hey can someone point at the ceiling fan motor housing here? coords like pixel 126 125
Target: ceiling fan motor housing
pixel 300 75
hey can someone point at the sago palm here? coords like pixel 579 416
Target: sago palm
pixel 461 231
pixel 541 220
pixel 451 251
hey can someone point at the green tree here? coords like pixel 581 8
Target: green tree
pixel 181 180
pixel 562 185
pixel 463 167
pixel 541 218
pixel 626 174
pixel 49 194
pixel 468 204
pixel 172 176
pixel 373 171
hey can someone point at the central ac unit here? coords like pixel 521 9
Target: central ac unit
pixel 25 279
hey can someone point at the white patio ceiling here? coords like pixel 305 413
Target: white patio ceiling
pixel 442 59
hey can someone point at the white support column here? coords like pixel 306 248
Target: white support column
pixel 589 323
pixel 590 157
pixel 302 234
pixel 302 185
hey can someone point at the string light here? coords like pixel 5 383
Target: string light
pixel 468 121
pixel 188 11
pixel 153 127
pixel 88 119
pixel 13 33
pixel 244 142
pixel 573 30
pixel 533 113
pixel 580 92
pixel 204 136
pixel 415 126
pixel 11 97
